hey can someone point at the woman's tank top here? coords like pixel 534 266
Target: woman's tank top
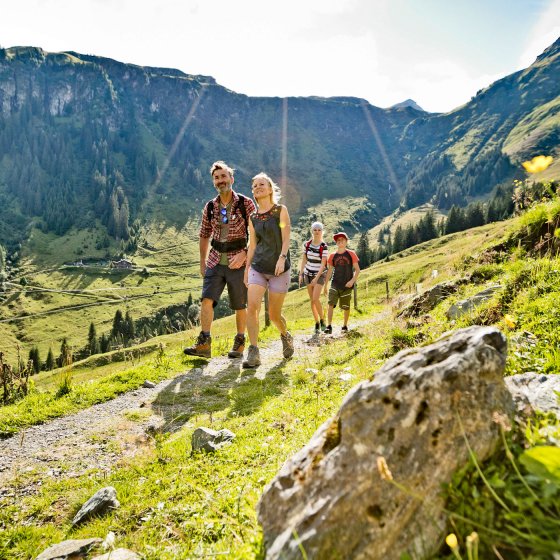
pixel 269 241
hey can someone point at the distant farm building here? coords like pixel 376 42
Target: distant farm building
pixel 122 264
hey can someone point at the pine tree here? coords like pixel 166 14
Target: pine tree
pixel 65 358
pixel 49 363
pixel 117 324
pixel 189 300
pixel 398 240
pixel 35 358
pixel 128 330
pixel 474 215
pixel 363 250
pixel 104 343
pixel 455 220
pixel 93 343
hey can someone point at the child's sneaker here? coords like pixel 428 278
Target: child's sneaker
pixel 344 329
pixel 287 345
pixel 328 329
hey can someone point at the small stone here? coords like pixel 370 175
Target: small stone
pixel 148 384
pixel 209 440
pixel 101 502
pixel 66 550
pixel 154 426
pixel 468 305
pixel 118 554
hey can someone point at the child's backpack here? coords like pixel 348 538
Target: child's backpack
pixel 321 247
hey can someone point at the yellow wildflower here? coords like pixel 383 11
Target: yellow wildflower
pixel 537 164
pixel 510 321
pixel 451 541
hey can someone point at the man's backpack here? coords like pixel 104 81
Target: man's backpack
pixel 321 247
pixel 242 209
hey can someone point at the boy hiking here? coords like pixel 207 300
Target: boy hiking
pixel 343 271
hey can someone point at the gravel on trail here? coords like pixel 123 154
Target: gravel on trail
pixel 99 437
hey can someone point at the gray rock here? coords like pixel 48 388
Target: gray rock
pixel 148 384
pixel 468 305
pixel 118 554
pixel 101 502
pixel 427 300
pixel 209 440
pixel 66 550
pixel 535 391
pixel 330 499
pixel 155 425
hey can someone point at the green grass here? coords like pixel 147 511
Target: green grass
pixel 177 504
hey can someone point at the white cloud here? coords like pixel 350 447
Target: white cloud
pixel 543 34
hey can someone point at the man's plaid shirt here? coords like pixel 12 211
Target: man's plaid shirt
pixel 237 228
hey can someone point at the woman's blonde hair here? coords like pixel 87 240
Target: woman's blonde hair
pixel 276 195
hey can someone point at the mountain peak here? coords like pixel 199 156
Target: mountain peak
pixel 407 103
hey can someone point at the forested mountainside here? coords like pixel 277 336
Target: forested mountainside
pixel 87 140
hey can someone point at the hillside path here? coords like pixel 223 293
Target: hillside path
pixel 105 435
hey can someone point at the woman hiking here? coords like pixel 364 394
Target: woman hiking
pixel 268 265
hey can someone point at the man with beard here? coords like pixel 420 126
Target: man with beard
pixel 224 231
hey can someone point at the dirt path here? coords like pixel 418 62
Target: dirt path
pixel 102 436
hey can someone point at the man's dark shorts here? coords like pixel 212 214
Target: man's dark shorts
pixel 220 276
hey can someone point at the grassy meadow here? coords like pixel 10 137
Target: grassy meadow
pixel 176 504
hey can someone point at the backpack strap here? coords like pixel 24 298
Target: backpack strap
pixel 240 205
pixel 321 248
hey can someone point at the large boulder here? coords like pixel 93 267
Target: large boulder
pixel 333 499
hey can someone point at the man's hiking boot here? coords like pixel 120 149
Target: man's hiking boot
pixel 238 346
pixel 328 330
pixel 253 357
pixel 287 345
pixel 201 348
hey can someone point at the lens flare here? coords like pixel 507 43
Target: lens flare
pixel 537 164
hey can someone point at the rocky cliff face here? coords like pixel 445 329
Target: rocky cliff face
pixel 77 127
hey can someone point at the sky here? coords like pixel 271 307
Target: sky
pixel 437 52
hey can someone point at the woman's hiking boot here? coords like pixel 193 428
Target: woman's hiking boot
pixel 322 325
pixel 317 328
pixel 328 330
pixel 253 357
pixel 287 345
pixel 201 348
pixel 238 346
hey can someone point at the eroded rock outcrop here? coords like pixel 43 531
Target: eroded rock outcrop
pixel 330 499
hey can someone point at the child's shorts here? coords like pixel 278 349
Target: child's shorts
pixel 275 284
pixel 308 278
pixel 340 296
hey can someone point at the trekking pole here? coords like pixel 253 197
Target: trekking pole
pixel 387 289
pixel 355 296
